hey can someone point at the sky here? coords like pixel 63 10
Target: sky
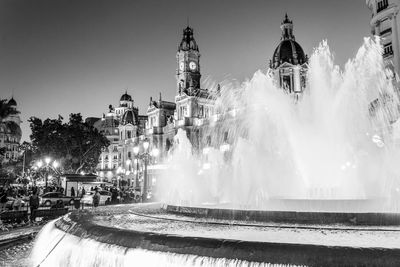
pixel 70 56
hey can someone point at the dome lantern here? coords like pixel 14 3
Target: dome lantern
pixel 288 49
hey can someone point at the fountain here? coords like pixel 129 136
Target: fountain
pixel 282 182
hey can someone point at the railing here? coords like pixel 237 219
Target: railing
pixel 388 30
pixel 387 54
pixel 382 5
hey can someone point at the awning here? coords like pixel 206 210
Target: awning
pixel 80 178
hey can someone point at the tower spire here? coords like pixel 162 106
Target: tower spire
pixel 287 28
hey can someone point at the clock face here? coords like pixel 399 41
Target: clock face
pixel 192 65
pixel 181 65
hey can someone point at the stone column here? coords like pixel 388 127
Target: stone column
pixel 296 80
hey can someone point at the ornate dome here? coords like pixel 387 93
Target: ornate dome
pixel 12 102
pixel 129 117
pixel 288 49
pixel 188 42
pixel 126 97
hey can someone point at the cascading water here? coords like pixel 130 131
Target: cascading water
pixel 336 142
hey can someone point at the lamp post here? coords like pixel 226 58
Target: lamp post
pixel 146 157
pixel 136 152
pixel 54 165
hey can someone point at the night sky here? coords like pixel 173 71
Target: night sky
pixel 59 57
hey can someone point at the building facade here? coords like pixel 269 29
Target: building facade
pixel 289 62
pixel 10 134
pixel 386 24
pixel 193 110
pixel 120 125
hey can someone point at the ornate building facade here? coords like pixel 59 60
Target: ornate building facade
pixel 193 111
pixel 289 62
pixel 120 124
pixel 385 24
pixel 10 134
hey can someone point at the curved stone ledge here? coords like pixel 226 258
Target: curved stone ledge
pixel 299 254
pixel 324 218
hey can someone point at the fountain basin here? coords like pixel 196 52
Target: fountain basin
pixel 290 211
pixel 154 231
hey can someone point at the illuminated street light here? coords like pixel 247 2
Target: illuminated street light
pixel 55 164
pixel 39 163
pixel 146 155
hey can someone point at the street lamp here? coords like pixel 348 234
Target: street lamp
pixel 136 152
pixel 48 166
pixel 145 156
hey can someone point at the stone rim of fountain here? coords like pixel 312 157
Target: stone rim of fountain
pixel 80 224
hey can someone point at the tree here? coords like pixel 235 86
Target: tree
pixel 76 144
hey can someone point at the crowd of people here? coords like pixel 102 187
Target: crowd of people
pixel 118 195
pixel 20 197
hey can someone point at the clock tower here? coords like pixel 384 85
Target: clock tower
pixel 188 60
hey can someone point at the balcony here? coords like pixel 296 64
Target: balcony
pixel 387 54
pixel 382 6
pixel 185 122
pixel 388 30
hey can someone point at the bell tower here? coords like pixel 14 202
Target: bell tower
pixel 188 60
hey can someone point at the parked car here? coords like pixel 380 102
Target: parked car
pixel 87 199
pixel 51 198
pixel 10 202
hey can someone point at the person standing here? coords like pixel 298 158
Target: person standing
pixel 33 204
pixel 72 191
pixel 17 202
pixel 83 191
pixel 96 198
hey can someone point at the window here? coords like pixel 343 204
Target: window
pixel 388 50
pixel 152 121
pixel 201 111
pixel 129 155
pixel 182 111
pixel 383 4
pixel 208 140
pixel 206 114
pixel 225 137
pixel 129 134
pixel 286 83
